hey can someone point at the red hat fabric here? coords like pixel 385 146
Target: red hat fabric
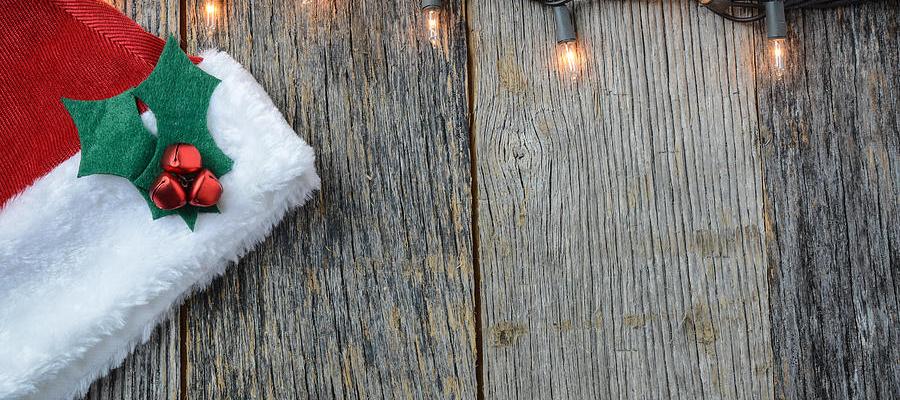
pixel 84 50
pixel 86 272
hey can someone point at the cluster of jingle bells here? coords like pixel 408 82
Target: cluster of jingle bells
pixel 184 180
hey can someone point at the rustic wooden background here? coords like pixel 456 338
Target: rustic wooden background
pixel 675 224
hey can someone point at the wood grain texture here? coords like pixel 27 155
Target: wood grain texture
pixel 832 173
pixel 620 216
pixel 152 371
pixel 159 17
pixel 635 227
pixel 365 292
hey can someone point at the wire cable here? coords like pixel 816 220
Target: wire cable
pixel 553 3
pixel 750 11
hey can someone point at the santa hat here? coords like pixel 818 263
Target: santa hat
pixel 91 258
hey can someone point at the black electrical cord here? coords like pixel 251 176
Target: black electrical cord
pixel 553 3
pixel 745 10
pixel 796 4
pixel 749 11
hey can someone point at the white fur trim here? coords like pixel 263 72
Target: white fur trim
pixel 86 274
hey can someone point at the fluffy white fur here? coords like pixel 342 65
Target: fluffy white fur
pixel 86 274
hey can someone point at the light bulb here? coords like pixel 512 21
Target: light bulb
pixel 567 51
pixel 776 30
pixel 568 59
pixel 433 25
pixel 779 52
pixel 210 14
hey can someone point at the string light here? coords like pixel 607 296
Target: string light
pixel 210 9
pixel 432 10
pixel 776 27
pixel 569 58
pixel 567 51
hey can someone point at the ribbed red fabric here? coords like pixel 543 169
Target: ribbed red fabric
pixel 49 49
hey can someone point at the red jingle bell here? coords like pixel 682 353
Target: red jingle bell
pixel 167 192
pixel 181 158
pixel 206 189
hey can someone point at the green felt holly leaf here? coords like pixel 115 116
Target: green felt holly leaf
pixel 102 125
pixel 114 140
pixel 178 93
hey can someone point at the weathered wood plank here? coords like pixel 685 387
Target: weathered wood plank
pixel 620 217
pixel 367 291
pixel 159 17
pixel 152 371
pixel 832 172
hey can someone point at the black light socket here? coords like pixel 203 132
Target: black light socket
pixel 565 26
pixel 776 25
pixel 432 4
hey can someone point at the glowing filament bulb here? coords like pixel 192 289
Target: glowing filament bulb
pixel 210 14
pixel 779 53
pixel 567 51
pixel 433 24
pixel 568 59
pixel 776 30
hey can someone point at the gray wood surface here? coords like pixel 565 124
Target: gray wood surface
pixel 152 371
pixel 633 230
pixel 832 171
pixel 620 216
pixel 365 292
